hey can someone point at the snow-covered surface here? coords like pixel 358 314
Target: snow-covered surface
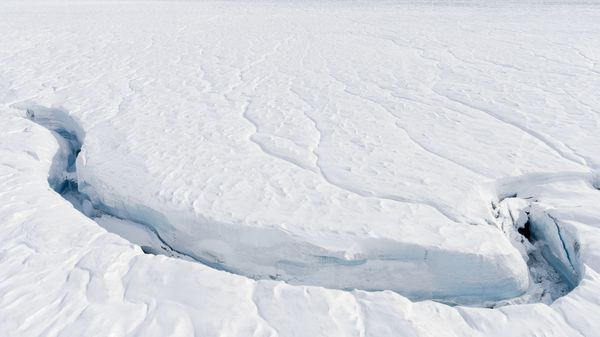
pixel 389 147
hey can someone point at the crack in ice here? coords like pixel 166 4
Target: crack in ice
pixel 68 132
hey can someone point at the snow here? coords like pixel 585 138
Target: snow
pixel 299 169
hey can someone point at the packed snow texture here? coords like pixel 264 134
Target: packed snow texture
pixel 401 148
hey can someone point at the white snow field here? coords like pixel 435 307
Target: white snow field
pixel 299 169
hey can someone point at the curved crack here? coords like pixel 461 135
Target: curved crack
pixel 70 135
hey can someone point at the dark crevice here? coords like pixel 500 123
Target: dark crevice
pixel 526 231
pixel 541 236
